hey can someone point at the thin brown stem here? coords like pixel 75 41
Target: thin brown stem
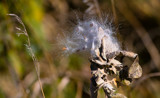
pixel 157 74
pixel 98 9
pixel 93 90
pixel 114 12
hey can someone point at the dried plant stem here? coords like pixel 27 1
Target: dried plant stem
pixel 115 18
pixel 36 63
pixel 143 34
pixel 97 9
pixel 28 45
pixel 114 12
pixel 157 74
pixel 106 94
pixel 79 89
pixel 93 89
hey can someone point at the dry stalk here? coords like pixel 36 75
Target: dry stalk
pixel 93 8
pixel 97 8
pixel 114 12
pixel 157 74
pixel 28 45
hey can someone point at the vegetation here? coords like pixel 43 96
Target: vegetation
pixel 48 22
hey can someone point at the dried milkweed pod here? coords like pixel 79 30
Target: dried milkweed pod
pixel 111 71
pixel 107 72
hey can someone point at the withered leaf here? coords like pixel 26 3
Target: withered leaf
pixel 135 71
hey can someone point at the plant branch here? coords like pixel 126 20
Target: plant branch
pixel 157 74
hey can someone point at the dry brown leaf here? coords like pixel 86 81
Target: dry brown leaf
pixel 135 71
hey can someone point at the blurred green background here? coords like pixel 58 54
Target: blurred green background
pixel 137 25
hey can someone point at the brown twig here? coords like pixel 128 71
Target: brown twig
pixel 157 74
pixel 114 12
pixel 28 45
pixel 93 89
pixel 79 89
pixel 98 9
